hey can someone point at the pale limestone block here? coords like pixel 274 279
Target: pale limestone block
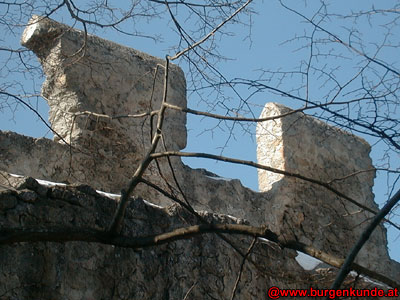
pixel 305 145
pixel 99 76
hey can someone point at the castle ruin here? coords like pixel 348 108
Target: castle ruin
pixel 102 97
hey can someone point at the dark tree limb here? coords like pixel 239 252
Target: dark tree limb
pixel 346 267
pixel 253 243
pixel 64 234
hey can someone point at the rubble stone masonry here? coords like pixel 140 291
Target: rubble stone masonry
pixel 101 97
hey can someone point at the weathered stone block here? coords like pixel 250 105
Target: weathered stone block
pixel 90 74
pixel 309 212
pixel 303 144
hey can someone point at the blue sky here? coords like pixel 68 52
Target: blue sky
pixel 267 44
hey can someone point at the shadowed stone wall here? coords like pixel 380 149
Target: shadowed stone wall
pixel 203 267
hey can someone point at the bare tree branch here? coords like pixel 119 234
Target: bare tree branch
pixel 63 234
pixel 346 267
pixel 211 33
pixel 270 169
pixel 253 243
pixel 117 221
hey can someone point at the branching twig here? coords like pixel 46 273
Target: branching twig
pixel 340 41
pixel 116 223
pixel 211 33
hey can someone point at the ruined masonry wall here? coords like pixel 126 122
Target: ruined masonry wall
pixel 105 78
pixel 111 81
pixel 202 267
pixel 302 144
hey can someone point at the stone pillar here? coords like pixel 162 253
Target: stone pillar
pixel 94 87
pixel 99 76
pixel 308 212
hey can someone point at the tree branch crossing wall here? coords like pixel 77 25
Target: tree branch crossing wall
pixel 102 97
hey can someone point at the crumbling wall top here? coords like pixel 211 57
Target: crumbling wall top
pixel 101 97
pixel 85 73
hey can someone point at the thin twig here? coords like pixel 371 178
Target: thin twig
pixel 253 243
pixel 140 115
pixel 36 113
pixel 117 221
pixel 211 33
pixel 189 291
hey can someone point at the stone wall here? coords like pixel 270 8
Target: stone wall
pixel 95 75
pixel 95 88
pixel 90 271
pixel 302 144
pixel 90 91
pixel 203 267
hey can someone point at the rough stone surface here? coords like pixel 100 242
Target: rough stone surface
pixel 302 144
pixel 203 267
pixel 305 145
pixel 103 77
pixel 111 80
pixel 93 87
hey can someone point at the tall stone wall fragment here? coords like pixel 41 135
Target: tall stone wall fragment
pixel 90 74
pixel 102 99
pixel 301 144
